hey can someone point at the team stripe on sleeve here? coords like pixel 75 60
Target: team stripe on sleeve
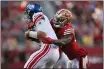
pixel 37 18
pixel 68 31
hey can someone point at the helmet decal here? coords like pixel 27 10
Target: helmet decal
pixel 62 17
pixel 31 9
pixel 30 6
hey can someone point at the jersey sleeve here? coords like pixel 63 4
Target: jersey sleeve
pixel 40 22
pixel 30 25
pixel 35 20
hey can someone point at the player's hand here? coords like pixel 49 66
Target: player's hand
pixel 27 34
pixel 47 40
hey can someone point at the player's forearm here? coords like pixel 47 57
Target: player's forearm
pixel 35 34
pixel 59 43
pixel 29 37
pixel 31 34
pixel 64 41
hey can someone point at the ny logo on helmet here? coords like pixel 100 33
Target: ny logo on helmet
pixel 30 7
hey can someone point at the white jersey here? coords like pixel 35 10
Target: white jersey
pixel 42 23
pixel 44 55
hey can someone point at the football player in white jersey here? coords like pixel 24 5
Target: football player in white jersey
pixel 48 53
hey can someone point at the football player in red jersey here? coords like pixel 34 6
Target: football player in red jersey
pixel 66 39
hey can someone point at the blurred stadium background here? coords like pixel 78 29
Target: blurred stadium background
pixel 87 21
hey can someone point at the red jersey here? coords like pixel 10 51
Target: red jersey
pixel 72 49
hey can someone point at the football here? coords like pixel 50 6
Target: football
pixel 41 34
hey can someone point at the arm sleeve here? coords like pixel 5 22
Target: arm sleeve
pixel 37 21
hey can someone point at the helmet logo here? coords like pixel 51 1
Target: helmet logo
pixel 67 15
pixel 31 9
pixel 30 6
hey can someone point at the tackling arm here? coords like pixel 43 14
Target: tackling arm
pixel 67 38
pixel 42 36
pixel 60 42
pixel 63 41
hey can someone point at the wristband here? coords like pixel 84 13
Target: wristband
pixel 33 34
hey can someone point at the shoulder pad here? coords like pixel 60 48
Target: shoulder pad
pixel 37 18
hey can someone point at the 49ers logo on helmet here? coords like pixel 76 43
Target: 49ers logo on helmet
pixel 62 17
pixel 64 12
pixel 67 15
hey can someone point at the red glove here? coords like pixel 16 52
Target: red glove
pixel 47 40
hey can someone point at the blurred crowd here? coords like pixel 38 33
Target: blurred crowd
pixel 87 22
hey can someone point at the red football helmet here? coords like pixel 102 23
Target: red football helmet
pixel 62 17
